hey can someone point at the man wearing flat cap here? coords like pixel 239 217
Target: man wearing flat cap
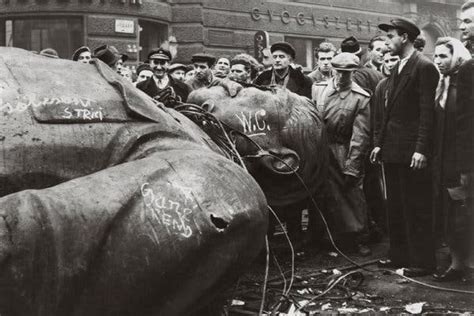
pixel 344 107
pixel 161 86
pixel 404 144
pixel 203 76
pixel 283 74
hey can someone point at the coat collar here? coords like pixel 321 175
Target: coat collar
pixel 294 74
pixel 399 81
pixel 354 88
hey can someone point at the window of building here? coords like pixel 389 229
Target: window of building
pixel 152 35
pixel 64 34
pixel 304 50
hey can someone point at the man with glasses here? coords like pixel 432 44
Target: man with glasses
pixel 161 86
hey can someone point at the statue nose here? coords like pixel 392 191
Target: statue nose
pixel 209 106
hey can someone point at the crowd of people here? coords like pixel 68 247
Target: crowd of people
pixel 399 126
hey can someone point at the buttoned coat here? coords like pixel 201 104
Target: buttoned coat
pixel 408 119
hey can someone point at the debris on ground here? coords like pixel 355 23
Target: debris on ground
pixel 415 308
pixel 327 285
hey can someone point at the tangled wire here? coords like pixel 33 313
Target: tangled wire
pixel 220 133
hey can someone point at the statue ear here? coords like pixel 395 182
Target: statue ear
pixel 287 162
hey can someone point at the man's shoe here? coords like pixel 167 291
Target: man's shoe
pixel 449 275
pixel 388 264
pixel 416 272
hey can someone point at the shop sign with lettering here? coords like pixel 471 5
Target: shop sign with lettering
pixel 302 18
pixel 125 26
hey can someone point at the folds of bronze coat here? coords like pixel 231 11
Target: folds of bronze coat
pixel 112 204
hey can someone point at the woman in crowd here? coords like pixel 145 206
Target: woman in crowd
pixel 449 54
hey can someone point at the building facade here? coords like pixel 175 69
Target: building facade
pixel 219 27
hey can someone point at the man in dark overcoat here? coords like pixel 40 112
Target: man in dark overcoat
pixel 404 145
pixel 465 127
pixel 283 74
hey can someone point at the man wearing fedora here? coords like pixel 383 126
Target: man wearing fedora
pixel 282 74
pixel 404 144
pixel 109 55
pixel 161 86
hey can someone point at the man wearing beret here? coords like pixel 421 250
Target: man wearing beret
pixel 83 55
pixel 161 86
pixel 282 74
pixel 404 144
pixel 203 76
pixel 344 107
